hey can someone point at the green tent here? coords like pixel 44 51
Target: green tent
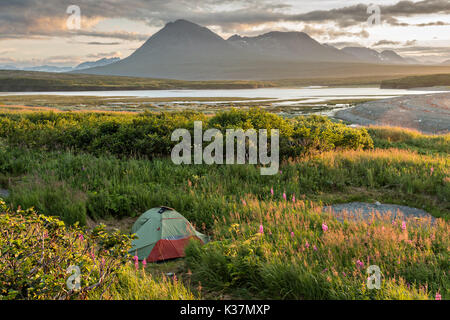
pixel 162 233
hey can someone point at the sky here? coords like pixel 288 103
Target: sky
pixel 38 32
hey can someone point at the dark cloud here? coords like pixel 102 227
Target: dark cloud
pixel 356 14
pixel 410 43
pixel 29 18
pixel 333 33
pixel 385 43
pixel 96 43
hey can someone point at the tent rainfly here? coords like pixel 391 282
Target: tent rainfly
pixel 162 234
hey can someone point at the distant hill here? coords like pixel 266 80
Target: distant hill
pixel 373 56
pixel 56 69
pixel 47 68
pixel 98 63
pixel 433 80
pixel 186 51
pixel 446 62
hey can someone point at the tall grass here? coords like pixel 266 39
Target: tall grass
pixel 132 284
pixel 75 185
pixel 284 250
pixel 409 139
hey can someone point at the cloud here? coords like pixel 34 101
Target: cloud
pixel 333 33
pixel 410 43
pixel 428 24
pixel 385 43
pixel 114 54
pixel 29 18
pixel 96 43
pixel 357 14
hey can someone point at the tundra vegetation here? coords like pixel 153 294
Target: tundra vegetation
pixel 270 236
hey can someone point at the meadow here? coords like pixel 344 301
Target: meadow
pixel 271 238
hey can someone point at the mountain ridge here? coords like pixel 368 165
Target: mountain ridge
pixel 187 51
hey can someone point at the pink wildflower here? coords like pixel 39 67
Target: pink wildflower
pixel 315 248
pixel 261 229
pixel 359 263
pixel 438 296
pixel 284 196
pixel 144 262
pixel 292 234
pixel 271 191
pixel 293 198
pixel 404 225
pixel 432 170
pixel 81 237
pixel 243 202
pixel 324 227
pixel 307 244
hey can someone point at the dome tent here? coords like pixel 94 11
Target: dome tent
pixel 162 233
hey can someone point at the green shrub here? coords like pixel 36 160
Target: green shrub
pixel 149 134
pixel 37 251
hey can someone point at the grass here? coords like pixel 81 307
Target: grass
pixel 74 186
pixel 132 284
pixel 231 203
pixel 409 139
pixel 283 250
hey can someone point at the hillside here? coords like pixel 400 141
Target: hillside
pixel 22 81
pixel 434 80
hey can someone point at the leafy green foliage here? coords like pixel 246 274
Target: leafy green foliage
pixel 36 251
pixel 149 134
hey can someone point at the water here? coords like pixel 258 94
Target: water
pixel 288 102
pixel 314 94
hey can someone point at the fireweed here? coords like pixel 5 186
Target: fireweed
pixel 281 262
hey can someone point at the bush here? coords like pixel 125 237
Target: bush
pixel 149 134
pixel 37 251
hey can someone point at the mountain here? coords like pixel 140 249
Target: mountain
pixel 289 45
pixel 446 62
pixel 363 54
pixel 8 67
pixel 186 51
pixel 181 50
pixel 55 69
pixel 47 68
pixel 98 63
pixel 373 56
pixel 390 56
